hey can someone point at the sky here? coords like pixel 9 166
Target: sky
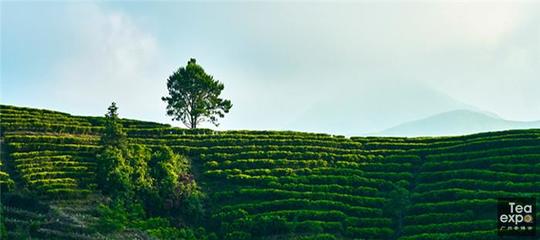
pixel 336 67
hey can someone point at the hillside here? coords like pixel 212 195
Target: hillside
pixel 273 184
pixel 456 122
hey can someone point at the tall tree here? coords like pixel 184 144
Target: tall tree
pixel 194 96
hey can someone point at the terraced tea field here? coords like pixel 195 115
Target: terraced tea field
pixel 275 184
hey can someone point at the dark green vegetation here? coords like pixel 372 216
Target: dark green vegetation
pixel 143 182
pixel 194 96
pixel 262 184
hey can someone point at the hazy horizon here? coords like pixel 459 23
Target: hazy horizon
pixel 345 68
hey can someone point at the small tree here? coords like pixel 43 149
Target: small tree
pixel 194 96
pixel 113 134
pixel 113 170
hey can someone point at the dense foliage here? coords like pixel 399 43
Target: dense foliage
pixel 194 96
pixel 143 181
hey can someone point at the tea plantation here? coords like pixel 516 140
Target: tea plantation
pixel 272 184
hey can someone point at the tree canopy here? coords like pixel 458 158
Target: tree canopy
pixel 194 96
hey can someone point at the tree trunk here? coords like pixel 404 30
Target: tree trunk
pixel 193 122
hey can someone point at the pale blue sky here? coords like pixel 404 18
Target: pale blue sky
pixel 348 68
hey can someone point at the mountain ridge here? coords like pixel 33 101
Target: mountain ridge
pixel 455 122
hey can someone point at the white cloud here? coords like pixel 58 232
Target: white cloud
pixel 115 61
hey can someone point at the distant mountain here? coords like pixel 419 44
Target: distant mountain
pixel 457 122
pixel 358 111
